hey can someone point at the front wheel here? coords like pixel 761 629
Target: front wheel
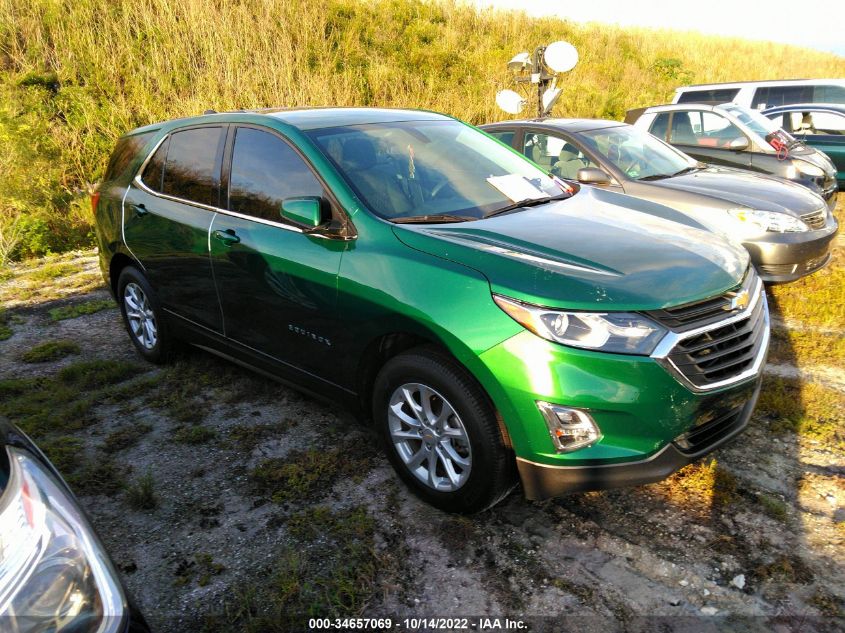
pixel 441 432
pixel 142 316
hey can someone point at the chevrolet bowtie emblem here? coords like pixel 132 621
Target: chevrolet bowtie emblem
pixel 740 301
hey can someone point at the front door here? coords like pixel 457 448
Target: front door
pixel 277 285
pixel 167 214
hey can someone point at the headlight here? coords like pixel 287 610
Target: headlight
pixel 808 169
pixel 755 221
pixel 620 332
pixel 53 574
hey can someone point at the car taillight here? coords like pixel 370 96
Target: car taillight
pixel 95 200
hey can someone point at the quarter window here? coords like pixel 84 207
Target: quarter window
pixel 155 167
pixel 505 136
pixel 192 169
pixel 127 148
pixel 265 171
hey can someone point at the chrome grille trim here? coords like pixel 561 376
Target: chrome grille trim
pixel 815 220
pixel 673 339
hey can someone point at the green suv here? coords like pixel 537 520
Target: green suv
pixel 490 320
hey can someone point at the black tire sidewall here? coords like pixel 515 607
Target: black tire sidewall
pixel 492 463
pixel 160 351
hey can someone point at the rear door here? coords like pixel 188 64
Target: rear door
pixel 277 285
pixel 167 213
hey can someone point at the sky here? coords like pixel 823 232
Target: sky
pixel 816 24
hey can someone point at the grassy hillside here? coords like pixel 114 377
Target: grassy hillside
pixel 75 74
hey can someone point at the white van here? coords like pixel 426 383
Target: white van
pixel 765 94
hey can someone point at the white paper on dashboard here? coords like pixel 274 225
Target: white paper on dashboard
pixel 516 187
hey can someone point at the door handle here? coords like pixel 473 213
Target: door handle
pixel 140 209
pixel 228 237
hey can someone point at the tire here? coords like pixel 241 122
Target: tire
pixel 140 309
pixel 481 470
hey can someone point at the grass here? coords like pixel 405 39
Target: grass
pixel 807 408
pixel 50 351
pixel 64 401
pixel 67 92
pixel 248 436
pixel 79 309
pixel 806 348
pixel 195 434
pixel 125 437
pixel 5 330
pixel 140 494
pixel 308 474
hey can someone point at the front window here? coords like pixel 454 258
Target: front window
pixel 556 155
pixel 411 169
pixel 638 154
pixel 703 128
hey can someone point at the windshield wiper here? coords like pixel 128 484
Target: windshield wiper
pixel 528 202
pixel 656 177
pixel 431 219
pixel 687 170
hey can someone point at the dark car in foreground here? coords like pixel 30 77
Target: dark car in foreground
pixel 819 125
pixel 488 317
pixel 55 576
pixel 734 136
pixel 787 229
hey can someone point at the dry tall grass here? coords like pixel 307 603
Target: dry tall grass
pixel 75 74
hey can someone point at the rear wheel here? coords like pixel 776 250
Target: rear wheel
pixel 441 432
pixel 142 316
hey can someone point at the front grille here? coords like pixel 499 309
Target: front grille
pixel 815 220
pixel 710 358
pixel 713 430
pixel 690 316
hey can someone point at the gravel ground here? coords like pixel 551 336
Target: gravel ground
pixel 752 540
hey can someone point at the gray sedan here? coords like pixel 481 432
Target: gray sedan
pixel 786 228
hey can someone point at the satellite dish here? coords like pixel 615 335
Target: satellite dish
pixel 519 62
pixel 550 97
pixel 510 101
pixel 560 56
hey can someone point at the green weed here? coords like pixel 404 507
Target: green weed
pixel 50 351
pixel 80 309
pixel 140 494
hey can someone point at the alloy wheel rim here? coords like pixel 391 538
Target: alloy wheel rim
pixel 140 315
pixel 429 437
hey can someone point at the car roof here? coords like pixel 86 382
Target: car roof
pixel 670 107
pixel 835 107
pixel 305 118
pixel 761 82
pixel 567 125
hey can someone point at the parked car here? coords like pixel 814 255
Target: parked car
pixel 787 229
pixel 488 317
pixel 765 94
pixel 818 125
pixel 55 576
pixel 734 136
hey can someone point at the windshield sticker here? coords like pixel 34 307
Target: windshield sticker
pixel 517 188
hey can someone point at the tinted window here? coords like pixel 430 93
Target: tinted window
pixel 829 94
pixel 780 95
pixel 660 125
pixel 192 171
pixel 506 136
pixel 265 171
pixel 721 95
pixel 155 167
pixel 127 148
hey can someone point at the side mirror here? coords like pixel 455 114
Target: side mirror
pixel 739 144
pixel 593 176
pixel 305 212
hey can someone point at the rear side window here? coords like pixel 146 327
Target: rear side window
pixel 128 147
pixel 155 167
pixel 660 126
pixel 265 171
pixel 192 168
pixel 505 136
pixel 722 95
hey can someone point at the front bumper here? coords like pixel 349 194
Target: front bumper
pixel 784 257
pixel 542 481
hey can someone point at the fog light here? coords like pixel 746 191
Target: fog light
pixel 570 429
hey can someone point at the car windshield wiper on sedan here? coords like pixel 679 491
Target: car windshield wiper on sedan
pixel 527 202
pixel 656 177
pixel 687 170
pixel 434 218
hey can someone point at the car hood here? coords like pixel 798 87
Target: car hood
pixel 747 189
pixel 596 250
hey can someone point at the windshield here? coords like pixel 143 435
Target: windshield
pixel 762 126
pixel 432 168
pixel 636 153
